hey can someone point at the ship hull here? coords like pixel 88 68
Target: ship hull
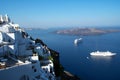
pixel 97 53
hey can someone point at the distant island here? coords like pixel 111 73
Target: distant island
pixel 86 31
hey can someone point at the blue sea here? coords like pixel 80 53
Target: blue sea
pixel 77 59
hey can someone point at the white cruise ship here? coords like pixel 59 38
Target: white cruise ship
pixel 76 41
pixel 98 53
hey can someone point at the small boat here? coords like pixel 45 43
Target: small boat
pixel 76 41
pixel 98 53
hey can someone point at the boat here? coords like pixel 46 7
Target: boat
pixel 99 53
pixel 76 41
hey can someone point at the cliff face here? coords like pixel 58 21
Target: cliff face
pixel 57 66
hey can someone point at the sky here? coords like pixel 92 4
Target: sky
pixel 62 13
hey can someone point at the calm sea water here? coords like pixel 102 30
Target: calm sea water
pixel 77 60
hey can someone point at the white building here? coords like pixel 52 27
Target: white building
pixel 17 58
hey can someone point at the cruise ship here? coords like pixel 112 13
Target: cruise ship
pixel 98 53
pixel 77 41
pixel 21 56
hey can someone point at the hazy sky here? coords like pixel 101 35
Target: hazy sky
pixel 59 13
